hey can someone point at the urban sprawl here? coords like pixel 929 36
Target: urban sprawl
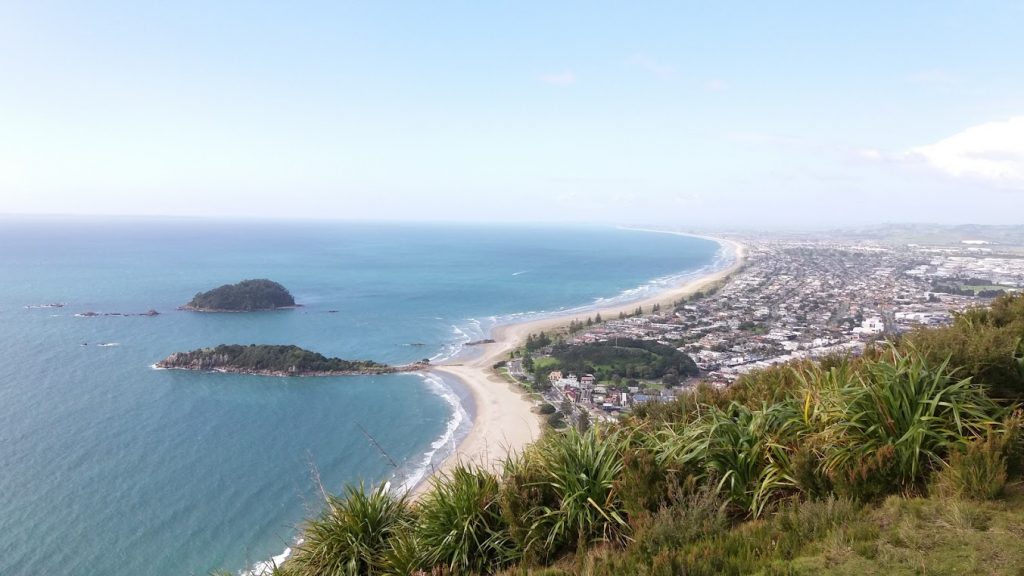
pixel 793 299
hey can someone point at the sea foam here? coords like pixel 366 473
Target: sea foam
pixel 444 446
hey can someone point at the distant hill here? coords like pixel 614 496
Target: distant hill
pixel 246 296
pixel 269 360
pixel 938 234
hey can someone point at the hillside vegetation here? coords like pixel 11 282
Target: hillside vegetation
pixel 267 359
pixel 907 460
pixel 246 296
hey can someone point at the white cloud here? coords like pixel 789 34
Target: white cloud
pixel 566 78
pixel 992 152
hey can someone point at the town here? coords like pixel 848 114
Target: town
pixel 794 298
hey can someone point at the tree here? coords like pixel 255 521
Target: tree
pixel 536 342
pixel 541 381
pixel 583 422
pixel 528 362
pixel 597 319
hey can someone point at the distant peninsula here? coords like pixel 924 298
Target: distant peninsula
pixel 274 360
pixel 246 296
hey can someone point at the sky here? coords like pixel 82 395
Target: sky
pixel 699 114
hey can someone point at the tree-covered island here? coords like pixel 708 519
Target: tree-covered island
pixel 246 296
pixel 273 360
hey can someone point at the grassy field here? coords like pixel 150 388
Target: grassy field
pixel 544 364
pixel 924 536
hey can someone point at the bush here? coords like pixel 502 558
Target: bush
pixel 460 524
pixel 976 471
pixel 546 409
pixel 643 485
pixel 897 421
pixel 352 535
pixel 700 515
pixel 986 344
pixel 556 421
pixel 573 478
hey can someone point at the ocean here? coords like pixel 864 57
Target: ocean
pixel 108 466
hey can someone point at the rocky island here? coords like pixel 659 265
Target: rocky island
pixel 273 360
pixel 246 296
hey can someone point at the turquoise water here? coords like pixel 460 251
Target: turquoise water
pixel 110 467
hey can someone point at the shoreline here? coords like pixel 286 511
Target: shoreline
pixel 505 421
pixel 502 418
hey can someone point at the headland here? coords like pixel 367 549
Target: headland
pixel 273 360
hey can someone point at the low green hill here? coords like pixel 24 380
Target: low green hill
pixel 246 296
pixel 627 358
pixel 265 359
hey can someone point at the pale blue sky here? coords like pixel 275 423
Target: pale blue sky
pixel 689 113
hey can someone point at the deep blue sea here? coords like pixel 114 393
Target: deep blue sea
pixel 110 467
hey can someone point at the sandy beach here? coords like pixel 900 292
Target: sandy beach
pixel 505 420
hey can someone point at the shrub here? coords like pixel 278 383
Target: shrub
pixel 700 515
pixel 812 519
pixel 352 534
pixel 460 527
pixel 556 421
pixel 523 493
pixel 405 555
pixel 898 420
pixel 806 467
pixel 643 485
pixel 578 472
pixel 747 452
pixel 976 471
pixel 987 344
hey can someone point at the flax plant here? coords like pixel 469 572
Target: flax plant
pixel 352 535
pixel 460 527
pixel 577 473
pixel 900 419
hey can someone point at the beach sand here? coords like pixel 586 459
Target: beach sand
pixel 505 420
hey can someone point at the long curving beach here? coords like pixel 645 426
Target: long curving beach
pixel 505 420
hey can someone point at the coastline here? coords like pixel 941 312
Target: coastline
pixel 505 421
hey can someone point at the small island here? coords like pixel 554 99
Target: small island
pixel 246 296
pixel 274 360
